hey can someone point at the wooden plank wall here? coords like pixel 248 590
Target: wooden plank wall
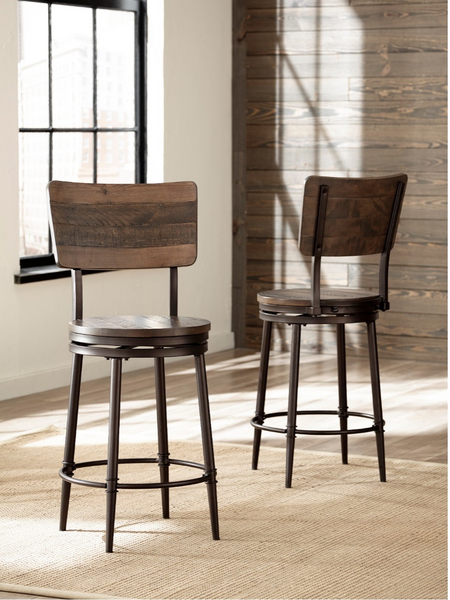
pixel 343 87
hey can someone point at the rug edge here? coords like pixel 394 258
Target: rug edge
pixel 52 593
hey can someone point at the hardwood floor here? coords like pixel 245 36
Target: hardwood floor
pixel 414 401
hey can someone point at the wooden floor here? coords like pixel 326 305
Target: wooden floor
pixel 414 401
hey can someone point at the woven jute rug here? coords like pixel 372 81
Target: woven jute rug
pixel 337 533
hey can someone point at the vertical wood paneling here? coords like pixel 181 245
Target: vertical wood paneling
pixel 239 91
pixel 343 88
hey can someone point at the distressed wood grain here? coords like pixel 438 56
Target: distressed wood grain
pixel 422 183
pixel 347 135
pixel 402 301
pixel 276 274
pixel 383 2
pixel 372 160
pixel 410 254
pixel 289 204
pixel 296 89
pixel 413 325
pixel 390 323
pixel 398 88
pixel 390 117
pixel 422 231
pixel 134 226
pixel 419 301
pixel 425 207
pixel 354 41
pixel 359 113
pixel 293 3
pixel 275 204
pixel 402 277
pixel 410 230
pixel 324 3
pixel 344 18
pixel 332 65
pixel 389 346
pixel 239 49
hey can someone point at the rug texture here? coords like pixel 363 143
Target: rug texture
pixel 337 533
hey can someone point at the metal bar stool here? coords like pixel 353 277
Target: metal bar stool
pixel 132 226
pixel 341 217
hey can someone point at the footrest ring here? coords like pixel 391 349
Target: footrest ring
pixel 205 478
pixel 264 427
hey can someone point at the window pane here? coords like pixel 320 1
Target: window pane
pixel 116 163
pixel 115 74
pixel 72 161
pixel 33 179
pixel 33 64
pixel 72 66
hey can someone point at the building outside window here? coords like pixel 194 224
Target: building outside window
pixel 81 90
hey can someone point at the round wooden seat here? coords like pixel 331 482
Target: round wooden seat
pixel 328 297
pixel 139 326
pixel 139 336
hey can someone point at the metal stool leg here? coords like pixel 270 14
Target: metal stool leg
pixel 113 450
pixel 262 386
pixel 342 384
pixel 207 441
pixel 376 396
pixel 292 405
pixel 163 442
pixel 71 431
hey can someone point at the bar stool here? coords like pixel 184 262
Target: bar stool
pixel 132 226
pixel 341 217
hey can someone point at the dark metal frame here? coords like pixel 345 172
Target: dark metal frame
pixel 37 268
pixel 188 345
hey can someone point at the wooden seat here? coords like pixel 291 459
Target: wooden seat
pixel 345 301
pixel 132 226
pixel 341 217
pixel 138 330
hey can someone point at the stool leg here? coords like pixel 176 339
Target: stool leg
pixel 262 386
pixel 342 384
pixel 292 404
pixel 376 396
pixel 71 432
pixel 163 443
pixel 207 442
pixel 113 450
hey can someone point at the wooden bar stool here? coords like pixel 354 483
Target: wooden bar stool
pixel 132 226
pixel 341 217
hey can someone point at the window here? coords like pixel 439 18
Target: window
pixel 82 89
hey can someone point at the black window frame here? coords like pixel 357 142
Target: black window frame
pixel 41 267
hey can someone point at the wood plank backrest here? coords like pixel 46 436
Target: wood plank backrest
pixel 357 217
pixel 123 226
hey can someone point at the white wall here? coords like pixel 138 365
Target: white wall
pixel 196 98
pixel 197 106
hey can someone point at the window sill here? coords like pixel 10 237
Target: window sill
pixel 43 273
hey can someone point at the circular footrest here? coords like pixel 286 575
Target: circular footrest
pixel 374 427
pixel 136 486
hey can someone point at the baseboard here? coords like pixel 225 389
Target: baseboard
pixel 93 368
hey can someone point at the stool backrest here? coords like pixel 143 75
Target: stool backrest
pixel 357 217
pixel 123 226
pixel 97 226
pixel 350 217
